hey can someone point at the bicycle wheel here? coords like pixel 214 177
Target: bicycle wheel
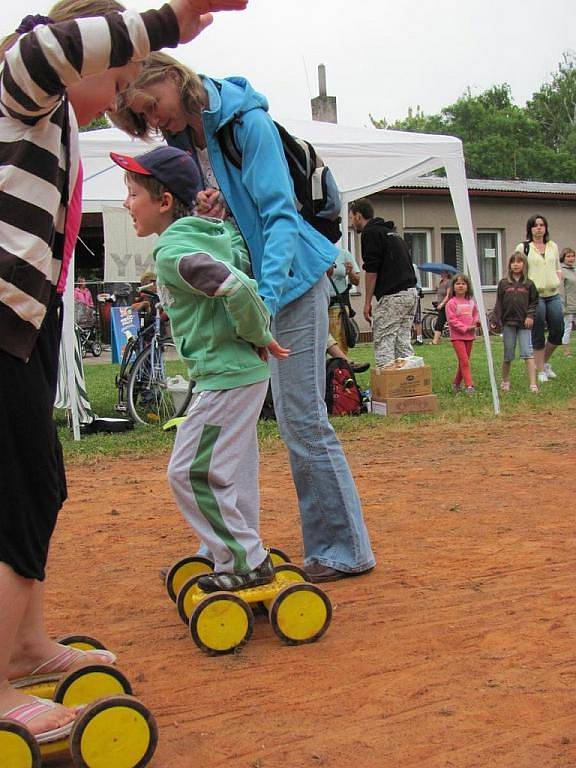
pixel 151 397
pixel 428 321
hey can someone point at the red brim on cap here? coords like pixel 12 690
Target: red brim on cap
pixel 129 163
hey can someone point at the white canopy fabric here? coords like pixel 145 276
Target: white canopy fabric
pixel 363 161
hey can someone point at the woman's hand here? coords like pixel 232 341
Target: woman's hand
pixel 529 322
pixel 195 15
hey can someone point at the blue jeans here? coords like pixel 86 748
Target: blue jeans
pixel 550 312
pixel 511 334
pixel 333 528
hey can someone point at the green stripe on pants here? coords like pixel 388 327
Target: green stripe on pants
pixel 199 480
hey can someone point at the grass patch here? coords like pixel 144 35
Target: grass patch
pixel 147 441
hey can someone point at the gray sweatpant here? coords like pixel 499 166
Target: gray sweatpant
pixel 213 474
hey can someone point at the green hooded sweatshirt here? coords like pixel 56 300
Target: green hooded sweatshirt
pixel 216 314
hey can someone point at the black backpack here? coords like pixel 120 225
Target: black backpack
pixel 343 395
pixel 317 196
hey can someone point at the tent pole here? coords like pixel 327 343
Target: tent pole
pixel 70 349
pixel 456 173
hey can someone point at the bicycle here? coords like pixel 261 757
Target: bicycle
pixel 429 318
pixel 145 389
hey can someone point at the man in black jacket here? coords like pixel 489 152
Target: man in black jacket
pixel 390 277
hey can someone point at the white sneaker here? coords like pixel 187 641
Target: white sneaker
pixel 542 377
pixel 549 372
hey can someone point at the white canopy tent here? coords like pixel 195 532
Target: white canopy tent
pixel 363 160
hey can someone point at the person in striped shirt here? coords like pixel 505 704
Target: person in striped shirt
pixel 56 73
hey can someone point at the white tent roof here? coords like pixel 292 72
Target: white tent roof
pixel 363 161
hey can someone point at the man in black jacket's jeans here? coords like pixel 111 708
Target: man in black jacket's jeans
pixel 390 277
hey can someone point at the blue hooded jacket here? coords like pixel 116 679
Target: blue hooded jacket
pixel 288 255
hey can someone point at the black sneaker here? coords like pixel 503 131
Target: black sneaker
pixel 231 582
pixel 359 367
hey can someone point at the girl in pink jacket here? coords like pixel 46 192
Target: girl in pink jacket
pixel 462 316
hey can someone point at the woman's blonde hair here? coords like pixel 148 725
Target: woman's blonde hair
pixel 66 10
pixel 156 68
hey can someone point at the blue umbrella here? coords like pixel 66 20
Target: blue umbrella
pixel 437 269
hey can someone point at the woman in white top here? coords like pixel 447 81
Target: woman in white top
pixel 545 271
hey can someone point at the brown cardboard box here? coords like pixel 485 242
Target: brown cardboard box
pixel 401 382
pixel 398 406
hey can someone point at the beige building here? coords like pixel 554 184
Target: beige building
pixel 423 214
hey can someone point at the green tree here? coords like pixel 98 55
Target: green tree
pixel 96 124
pixel 504 141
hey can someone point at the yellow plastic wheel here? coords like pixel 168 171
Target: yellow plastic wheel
pixel 188 598
pixel 185 569
pixel 83 642
pixel 300 613
pixel 115 732
pixel 221 623
pixel 278 556
pixel 89 683
pixel 291 572
pixel 18 748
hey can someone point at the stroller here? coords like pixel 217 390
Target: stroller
pixel 86 326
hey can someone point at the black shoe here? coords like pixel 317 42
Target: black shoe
pixel 418 343
pixel 231 582
pixel 359 367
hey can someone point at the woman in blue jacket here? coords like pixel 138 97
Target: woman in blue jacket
pixel 289 261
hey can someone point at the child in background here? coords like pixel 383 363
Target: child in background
pixel 516 305
pixel 568 293
pixel 462 317
pixel 442 298
pixel 222 332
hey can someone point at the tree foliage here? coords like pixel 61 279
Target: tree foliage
pixel 504 141
pixel 96 124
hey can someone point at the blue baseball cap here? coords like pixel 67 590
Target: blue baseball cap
pixel 172 167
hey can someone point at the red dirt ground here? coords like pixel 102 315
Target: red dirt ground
pixel 457 651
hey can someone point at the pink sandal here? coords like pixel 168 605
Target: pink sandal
pixel 63 662
pixel 25 713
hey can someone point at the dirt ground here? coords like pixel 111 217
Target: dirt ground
pixel 457 651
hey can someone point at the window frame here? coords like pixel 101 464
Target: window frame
pixel 426 278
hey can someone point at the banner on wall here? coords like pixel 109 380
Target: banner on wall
pixel 124 325
pixel 126 256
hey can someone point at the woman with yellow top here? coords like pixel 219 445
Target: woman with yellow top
pixel 544 269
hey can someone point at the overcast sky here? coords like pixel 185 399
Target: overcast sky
pixel 381 57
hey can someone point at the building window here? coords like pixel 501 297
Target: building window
pixel 452 251
pixel 418 241
pixel 488 244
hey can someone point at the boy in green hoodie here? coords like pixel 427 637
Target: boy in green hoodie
pixel 221 329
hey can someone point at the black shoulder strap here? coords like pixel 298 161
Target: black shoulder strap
pixel 228 144
pixel 526 247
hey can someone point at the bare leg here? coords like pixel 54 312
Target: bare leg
pixel 548 351
pixel 531 371
pixel 437 337
pixel 506 371
pixel 15 598
pixel 539 359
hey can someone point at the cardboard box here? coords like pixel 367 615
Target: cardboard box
pixel 398 406
pixel 401 382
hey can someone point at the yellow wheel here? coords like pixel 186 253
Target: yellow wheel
pixel 291 572
pixel 221 623
pixel 288 572
pixel 184 569
pixel 186 601
pixel 278 556
pixel 300 613
pixel 115 732
pixel 86 684
pixel 83 642
pixel 18 748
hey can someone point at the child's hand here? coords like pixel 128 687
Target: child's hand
pixel 194 15
pixel 274 349
pixel 209 203
pixel 529 322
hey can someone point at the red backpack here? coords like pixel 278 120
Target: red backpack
pixel 343 396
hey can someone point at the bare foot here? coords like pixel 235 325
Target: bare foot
pixel 47 720
pixel 37 661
